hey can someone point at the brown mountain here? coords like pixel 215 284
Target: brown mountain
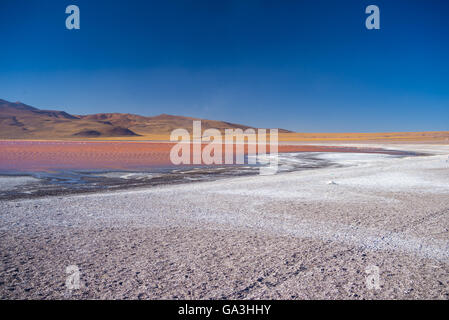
pixel 21 121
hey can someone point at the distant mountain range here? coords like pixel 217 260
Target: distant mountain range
pixel 21 121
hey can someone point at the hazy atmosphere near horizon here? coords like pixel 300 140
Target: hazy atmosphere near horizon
pixel 306 66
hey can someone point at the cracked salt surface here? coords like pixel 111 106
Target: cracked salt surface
pixel 381 173
pixel 294 231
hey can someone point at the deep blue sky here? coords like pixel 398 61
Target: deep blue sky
pixel 308 66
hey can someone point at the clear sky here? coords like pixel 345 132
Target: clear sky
pixel 308 66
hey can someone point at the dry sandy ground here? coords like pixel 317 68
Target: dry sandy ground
pixel 288 236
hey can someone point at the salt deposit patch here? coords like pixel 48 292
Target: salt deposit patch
pixel 397 181
pixel 354 158
pixel 9 183
pixel 126 175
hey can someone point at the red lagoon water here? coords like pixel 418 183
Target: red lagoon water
pixel 89 155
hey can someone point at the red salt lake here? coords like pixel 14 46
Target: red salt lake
pixel 93 155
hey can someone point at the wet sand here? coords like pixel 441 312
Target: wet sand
pixel 294 235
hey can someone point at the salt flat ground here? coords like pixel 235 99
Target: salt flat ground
pixel 297 235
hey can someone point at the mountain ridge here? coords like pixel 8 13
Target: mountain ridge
pixel 21 121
